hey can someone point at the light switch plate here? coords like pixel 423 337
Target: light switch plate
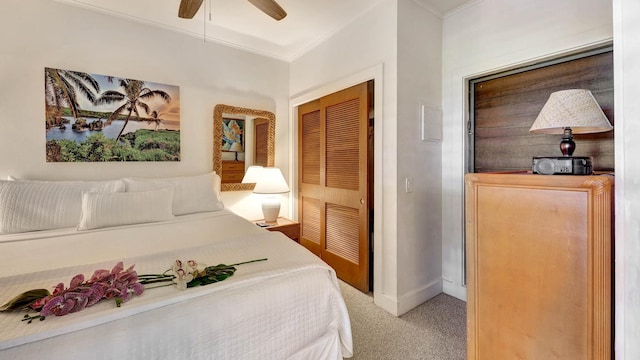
pixel 408 183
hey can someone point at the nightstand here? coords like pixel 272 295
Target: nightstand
pixel 285 226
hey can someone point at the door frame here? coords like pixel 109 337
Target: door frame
pixel 374 73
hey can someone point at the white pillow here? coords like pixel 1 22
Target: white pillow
pixel 43 205
pixel 109 185
pixel 193 194
pixel 112 209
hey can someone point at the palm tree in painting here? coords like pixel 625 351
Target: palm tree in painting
pixel 155 119
pixel 134 97
pixel 61 89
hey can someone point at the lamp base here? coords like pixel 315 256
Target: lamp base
pixel 271 209
pixel 567 146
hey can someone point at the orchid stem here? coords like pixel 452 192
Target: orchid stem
pixel 247 262
pixel 159 286
pixel 153 278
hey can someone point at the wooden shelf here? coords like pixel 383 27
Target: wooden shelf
pixel 288 227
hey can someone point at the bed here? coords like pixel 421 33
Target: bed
pixel 287 307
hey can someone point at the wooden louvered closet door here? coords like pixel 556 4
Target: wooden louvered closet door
pixel 333 203
pixel 261 142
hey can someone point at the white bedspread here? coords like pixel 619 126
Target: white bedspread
pixel 289 306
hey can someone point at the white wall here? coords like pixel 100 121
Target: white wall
pixel 419 212
pixel 627 110
pixel 369 42
pixel 406 226
pixel 42 33
pixel 485 37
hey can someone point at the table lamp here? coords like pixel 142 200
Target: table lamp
pixel 236 147
pixel 568 112
pixel 271 183
pixel 252 175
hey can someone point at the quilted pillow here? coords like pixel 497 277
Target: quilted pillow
pixel 112 209
pixel 30 205
pixel 193 194
pixel 107 185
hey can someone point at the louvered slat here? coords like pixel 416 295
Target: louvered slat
pixel 311 148
pixel 342 164
pixel 342 235
pixel 311 219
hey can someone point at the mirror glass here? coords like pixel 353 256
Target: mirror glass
pixel 241 137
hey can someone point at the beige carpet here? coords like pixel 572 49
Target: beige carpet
pixel 434 330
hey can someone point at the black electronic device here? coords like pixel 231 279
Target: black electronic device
pixel 562 165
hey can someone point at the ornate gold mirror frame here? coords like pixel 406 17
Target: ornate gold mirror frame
pixel 217 139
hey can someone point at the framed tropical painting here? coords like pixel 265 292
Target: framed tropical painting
pixel 233 135
pixel 93 118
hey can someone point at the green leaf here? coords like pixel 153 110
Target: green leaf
pixel 214 274
pixel 25 299
pixel 221 277
pixel 195 282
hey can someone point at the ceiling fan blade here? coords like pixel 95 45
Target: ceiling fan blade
pixel 270 7
pixel 188 8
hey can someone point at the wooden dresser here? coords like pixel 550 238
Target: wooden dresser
pixel 538 266
pixel 232 171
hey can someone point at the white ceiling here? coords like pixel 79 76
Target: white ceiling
pixel 239 24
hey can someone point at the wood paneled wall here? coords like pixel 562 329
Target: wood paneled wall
pixel 505 107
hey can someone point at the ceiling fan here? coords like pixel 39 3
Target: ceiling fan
pixel 188 8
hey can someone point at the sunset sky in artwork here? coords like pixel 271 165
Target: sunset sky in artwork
pixel 168 111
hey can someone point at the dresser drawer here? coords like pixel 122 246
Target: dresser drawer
pixel 233 166
pixel 232 171
pixel 231 177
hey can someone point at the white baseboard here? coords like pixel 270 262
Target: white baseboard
pixel 415 298
pixel 387 303
pixel 409 300
pixel 455 290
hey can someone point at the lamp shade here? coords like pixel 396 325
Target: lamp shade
pixel 252 175
pixel 236 146
pixel 576 109
pixel 271 181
